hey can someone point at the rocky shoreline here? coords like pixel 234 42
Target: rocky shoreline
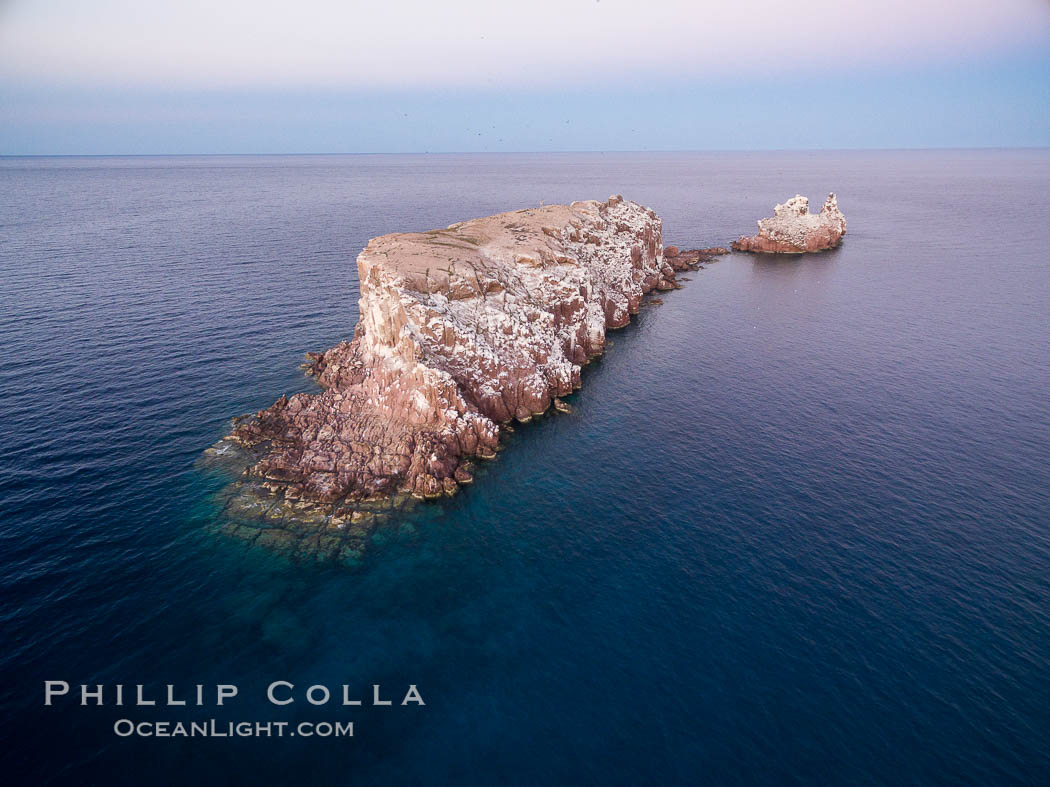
pixel 462 331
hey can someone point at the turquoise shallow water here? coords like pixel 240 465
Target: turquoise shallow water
pixel 797 527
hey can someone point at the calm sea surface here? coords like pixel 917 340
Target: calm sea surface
pixel 797 528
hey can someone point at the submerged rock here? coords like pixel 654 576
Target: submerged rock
pixel 794 230
pixel 462 330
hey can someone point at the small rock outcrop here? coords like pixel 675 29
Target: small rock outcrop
pixel 693 257
pixel 794 230
pixel 462 331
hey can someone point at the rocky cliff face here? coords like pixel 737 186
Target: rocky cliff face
pixel 461 330
pixel 793 229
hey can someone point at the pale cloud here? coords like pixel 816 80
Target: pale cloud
pixel 400 43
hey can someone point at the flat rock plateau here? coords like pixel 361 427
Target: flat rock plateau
pixel 462 331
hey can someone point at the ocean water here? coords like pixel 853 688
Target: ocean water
pixel 796 530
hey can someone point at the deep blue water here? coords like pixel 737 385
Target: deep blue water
pixel 797 528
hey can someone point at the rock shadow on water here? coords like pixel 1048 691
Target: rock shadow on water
pixel 793 266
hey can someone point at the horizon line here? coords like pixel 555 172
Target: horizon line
pixel 534 152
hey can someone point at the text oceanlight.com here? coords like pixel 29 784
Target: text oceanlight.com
pixel 242 729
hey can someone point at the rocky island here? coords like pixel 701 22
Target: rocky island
pixel 462 331
pixel 794 230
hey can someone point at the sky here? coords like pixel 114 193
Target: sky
pixel 320 76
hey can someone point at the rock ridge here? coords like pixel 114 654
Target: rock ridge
pixel 462 330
